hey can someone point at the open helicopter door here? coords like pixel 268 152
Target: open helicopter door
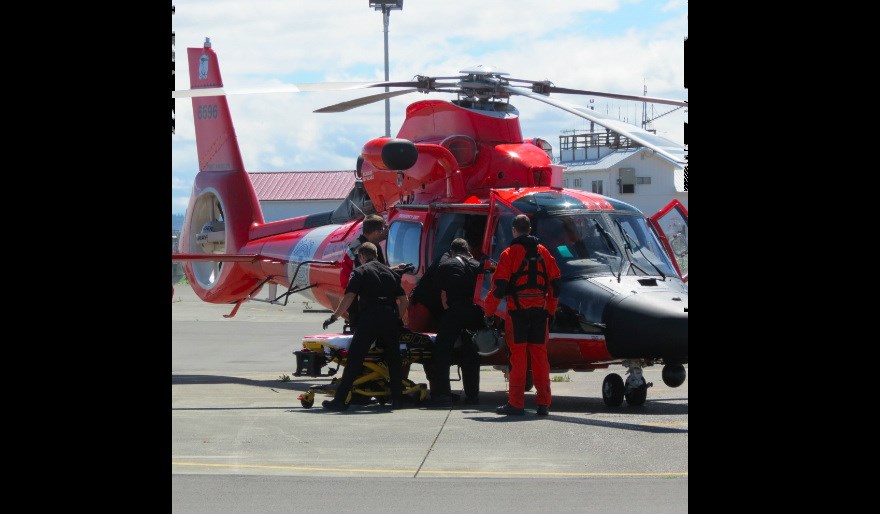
pixel 671 225
pixel 406 241
pixel 498 237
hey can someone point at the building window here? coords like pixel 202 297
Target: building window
pixel 643 180
pixel 597 187
pixel 577 182
pixel 627 180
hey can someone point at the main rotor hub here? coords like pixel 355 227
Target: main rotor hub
pixel 483 83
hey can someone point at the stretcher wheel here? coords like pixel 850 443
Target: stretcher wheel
pixel 419 395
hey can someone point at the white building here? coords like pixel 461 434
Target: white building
pixel 611 165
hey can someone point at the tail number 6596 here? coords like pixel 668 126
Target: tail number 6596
pixel 207 112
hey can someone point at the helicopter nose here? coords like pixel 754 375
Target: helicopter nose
pixel 648 325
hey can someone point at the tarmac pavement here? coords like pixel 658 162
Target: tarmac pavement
pixel 237 422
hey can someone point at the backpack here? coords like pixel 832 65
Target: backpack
pixel 426 291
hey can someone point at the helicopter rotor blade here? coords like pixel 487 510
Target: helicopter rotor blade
pixel 666 147
pixel 554 89
pixel 364 100
pixel 479 85
pixel 195 93
pixel 291 88
pixel 392 84
pixel 545 87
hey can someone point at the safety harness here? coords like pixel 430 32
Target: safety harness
pixel 531 266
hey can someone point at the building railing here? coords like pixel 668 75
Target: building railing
pixel 595 139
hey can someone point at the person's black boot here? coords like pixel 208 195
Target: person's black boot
pixel 510 410
pixel 333 405
pixel 443 401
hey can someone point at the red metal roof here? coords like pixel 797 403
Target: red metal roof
pixel 303 185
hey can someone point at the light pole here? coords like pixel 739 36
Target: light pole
pixel 386 6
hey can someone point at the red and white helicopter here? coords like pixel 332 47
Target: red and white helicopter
pixel 458 168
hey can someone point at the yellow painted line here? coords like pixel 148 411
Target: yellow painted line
pixel 667 424
pixel 430 472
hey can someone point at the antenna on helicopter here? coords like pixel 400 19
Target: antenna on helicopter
pixel 358 208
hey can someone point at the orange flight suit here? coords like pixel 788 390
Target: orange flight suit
pixel 528 310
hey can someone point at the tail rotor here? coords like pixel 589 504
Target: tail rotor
pixel 207 229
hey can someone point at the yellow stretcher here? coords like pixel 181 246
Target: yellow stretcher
pixel 325 349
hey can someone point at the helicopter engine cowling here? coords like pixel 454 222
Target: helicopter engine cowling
pixel 385 153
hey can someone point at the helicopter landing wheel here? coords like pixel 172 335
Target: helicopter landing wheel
pixel 612 390
pixel 637 396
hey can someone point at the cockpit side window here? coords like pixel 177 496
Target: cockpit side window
pixel 404 243
pixel 464 225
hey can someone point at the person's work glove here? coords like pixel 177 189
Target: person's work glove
pixel 329 321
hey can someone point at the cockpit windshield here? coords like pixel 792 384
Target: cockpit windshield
pixel 644 248
pixel 577 245
pixel 584 243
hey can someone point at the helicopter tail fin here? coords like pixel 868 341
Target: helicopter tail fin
pixel 223 206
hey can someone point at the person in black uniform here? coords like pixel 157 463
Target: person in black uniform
pixel 373 230
pixel 456 279
pixel 378 290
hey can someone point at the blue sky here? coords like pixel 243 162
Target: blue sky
pixel 598 45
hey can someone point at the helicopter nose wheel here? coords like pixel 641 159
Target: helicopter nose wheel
pixel 612 390
pixel 636 389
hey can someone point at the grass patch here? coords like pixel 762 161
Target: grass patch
pixel 284 378
pixel 560 378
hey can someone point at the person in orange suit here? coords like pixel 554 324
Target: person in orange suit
pixel 527 276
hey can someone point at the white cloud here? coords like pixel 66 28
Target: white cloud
pixel 179 204
pixel 599 45
pixel 179 184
